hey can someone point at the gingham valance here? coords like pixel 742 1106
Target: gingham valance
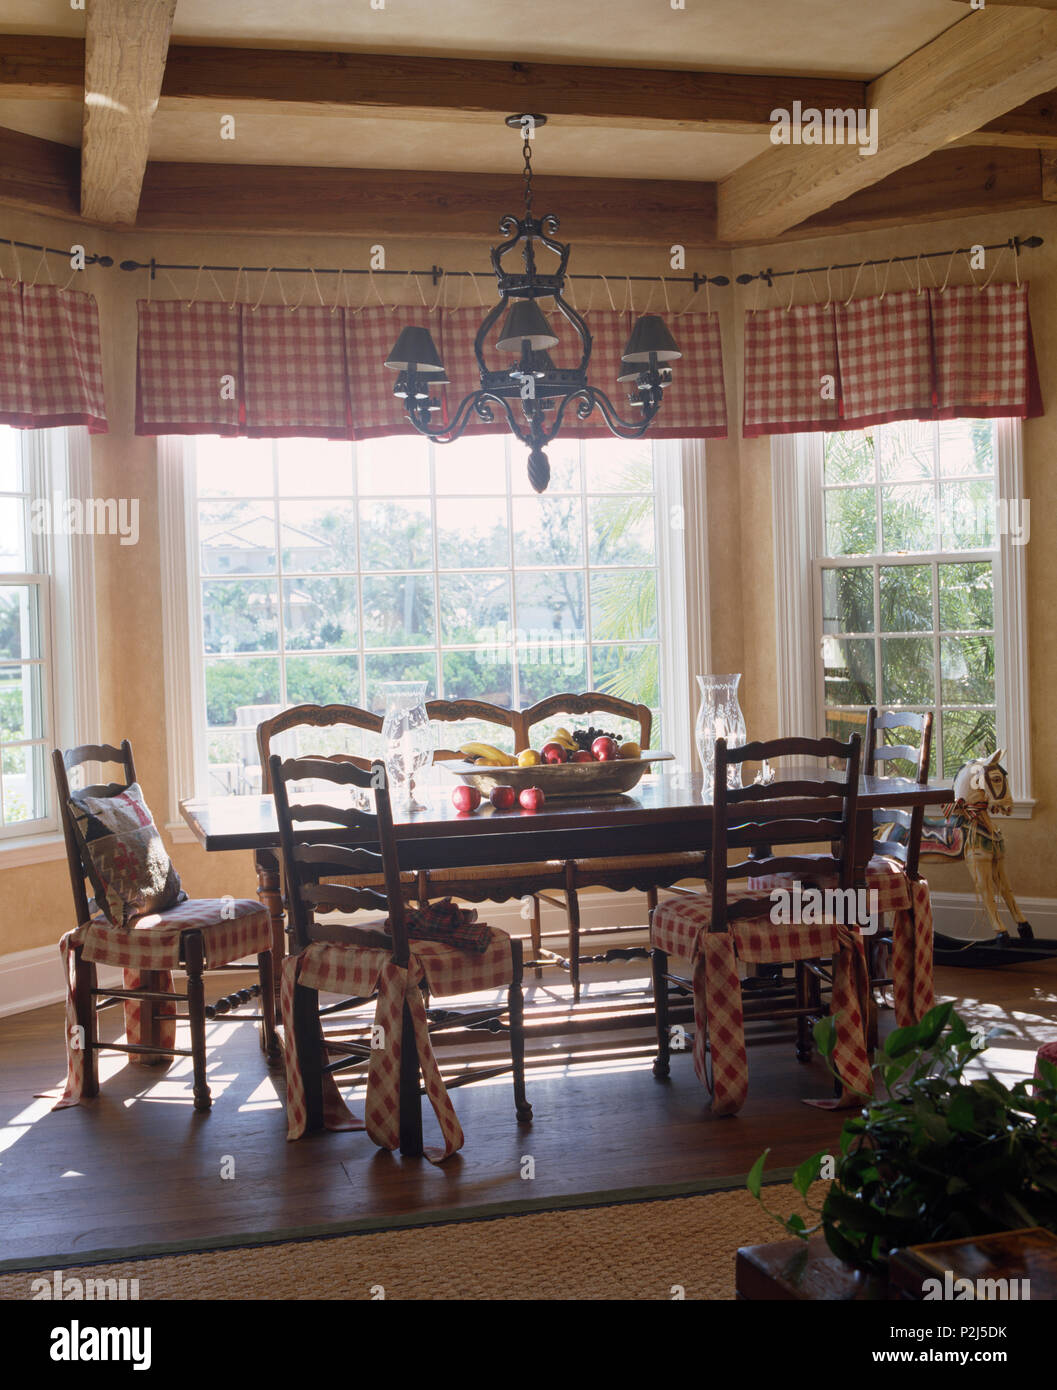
pixel 51 366
pixel 272 370
pixel 933 354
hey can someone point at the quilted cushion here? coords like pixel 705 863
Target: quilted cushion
pixel 130 871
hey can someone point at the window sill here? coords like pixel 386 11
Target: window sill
pixel 22 850
pixel 1022 810
pixel 180 832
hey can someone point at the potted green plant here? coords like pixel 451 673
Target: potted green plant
pixel 938 1152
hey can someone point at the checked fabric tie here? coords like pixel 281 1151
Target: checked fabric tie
pixel 336 969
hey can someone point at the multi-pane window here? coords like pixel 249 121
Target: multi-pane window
pixel 906 584
pixel 25 674
pixel 327 569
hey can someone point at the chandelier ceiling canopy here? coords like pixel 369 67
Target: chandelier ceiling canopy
pixel 534 394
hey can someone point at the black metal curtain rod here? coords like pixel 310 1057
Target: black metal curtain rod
pixel 65 252
pixel 1015 243
pixel 436 273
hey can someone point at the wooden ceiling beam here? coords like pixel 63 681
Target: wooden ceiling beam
pixel 39 175
pixel 277 81
pixel 382 202
pixel 950 183
pixel 42 176
pixel 266 80
pixel 1032 126
pixel 126 42
pixel 974 72
pixel 41 68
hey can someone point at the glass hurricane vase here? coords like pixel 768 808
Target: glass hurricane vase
pixel 408 740
pixel 718 716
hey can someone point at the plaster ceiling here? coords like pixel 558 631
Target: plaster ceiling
pixel 837 38
pixel 486 146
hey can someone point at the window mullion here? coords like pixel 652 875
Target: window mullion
pixel 280 578
pixel 937 672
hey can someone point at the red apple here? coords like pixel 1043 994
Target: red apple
pixel 554 753
pixel 605 749
pixel 502 798
pixel 465 797
pixel 531 798
pixel 582 756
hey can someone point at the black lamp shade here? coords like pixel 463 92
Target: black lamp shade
pixel 415 347
pixel 525 321
pixel 650 337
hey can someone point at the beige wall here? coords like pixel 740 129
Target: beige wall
pixel 35 901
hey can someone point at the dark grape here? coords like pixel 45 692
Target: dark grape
pixel 583 738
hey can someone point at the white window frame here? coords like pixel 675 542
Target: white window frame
pixel 682 605
pixel 58 464
pixel 796 486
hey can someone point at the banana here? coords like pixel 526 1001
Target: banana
pixel 486 753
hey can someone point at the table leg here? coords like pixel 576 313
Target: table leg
pixel 270 895
pixel 410 1100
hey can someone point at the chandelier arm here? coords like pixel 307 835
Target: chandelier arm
pixel 579 324
pixel 482 332
pixel 479 402
pixel 549 224
pixel 507 224
pixel 625 429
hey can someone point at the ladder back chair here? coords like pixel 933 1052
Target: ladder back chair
pixel 894 852
pixel 491 882
pixel 623 873
pixel 311 864
pixel 200 936
pixel 801 810
pixel 905 850
pixel 298 718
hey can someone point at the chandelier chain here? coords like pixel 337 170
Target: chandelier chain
pixel 526 174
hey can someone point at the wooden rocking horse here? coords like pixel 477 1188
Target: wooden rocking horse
pixel 981 792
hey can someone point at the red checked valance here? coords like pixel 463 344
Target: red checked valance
pixel 928 355
pixel 206 368
pixel 51 366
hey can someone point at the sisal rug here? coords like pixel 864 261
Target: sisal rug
pixel 652 1249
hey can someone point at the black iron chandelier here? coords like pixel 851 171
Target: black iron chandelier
pixel 534 388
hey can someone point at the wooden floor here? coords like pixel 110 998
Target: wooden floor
pixel 138 1168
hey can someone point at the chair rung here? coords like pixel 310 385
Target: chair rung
pixel 230 1017
pixel 351 1003
pixel 766 1015
pixel 115 994
pixel 481 1075
pixel 141 1047
pixel 340 1065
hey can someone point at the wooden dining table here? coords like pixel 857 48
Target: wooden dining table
pixel 665 813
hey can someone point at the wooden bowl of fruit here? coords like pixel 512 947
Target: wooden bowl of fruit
pixel 583 762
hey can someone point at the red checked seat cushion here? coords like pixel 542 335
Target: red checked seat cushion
pixel 354 969
pixel 886 877
pixel 231 928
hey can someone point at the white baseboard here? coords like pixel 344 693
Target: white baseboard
pixel 960 914
pixel 32 979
